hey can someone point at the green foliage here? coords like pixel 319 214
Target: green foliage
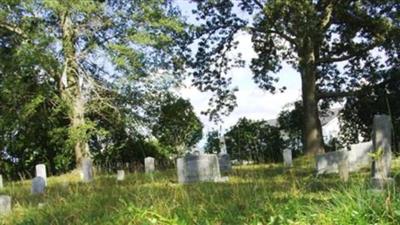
pixel 254 140
pixel 359 110
pixel 177 124
pixel 212 142
pixel 291 124
pixel 114 56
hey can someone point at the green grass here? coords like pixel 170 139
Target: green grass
pixel 255 194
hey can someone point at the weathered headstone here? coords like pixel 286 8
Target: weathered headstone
pixel 329 162
pixel 343 168
pixel 87 170
pixel 41 172
pixel 38 185
pixel 202 167
pixel 225 164
pixel 1 182
pixel 287 157
pixel 149 164
pixel 5 204
pixel 120 175
pixel 382 160
pixel 224 161
pixel 359 155
pixel 222 145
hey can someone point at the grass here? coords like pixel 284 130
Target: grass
pixel 255 194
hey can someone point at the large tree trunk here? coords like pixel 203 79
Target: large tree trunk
pixel 71 90
pixel 312 133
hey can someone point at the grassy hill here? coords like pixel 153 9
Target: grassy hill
pixel 255 194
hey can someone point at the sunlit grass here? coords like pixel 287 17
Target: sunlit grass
pixel 255 194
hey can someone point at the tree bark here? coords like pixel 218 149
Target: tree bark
pixel 71 91
pixel 313 141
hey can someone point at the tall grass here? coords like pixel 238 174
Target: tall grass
pixel 255 194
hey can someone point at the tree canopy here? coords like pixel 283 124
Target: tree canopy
pixel 177 127
pixel 255 141
pixel 330 43
pixel 76 75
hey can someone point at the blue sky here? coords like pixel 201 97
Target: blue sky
pixel 253 103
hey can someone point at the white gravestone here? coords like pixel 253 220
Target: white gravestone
pixel 358 158
pixel 87 170
pixel 359 155
pixel 225 164
pixel 41 172
pixel 38 185
pixel 149 164
pixel 343 168
pixel 1 182
pixel 287 157
pixel 382 140
pixel 120 175
pixel 329 162
pixel 5 204
pixel 222 145
pixel 202 167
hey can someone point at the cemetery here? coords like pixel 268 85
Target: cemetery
pixel 214 112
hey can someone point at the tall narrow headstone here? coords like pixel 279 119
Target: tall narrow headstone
pixel 149 164
pixel 287 157
pixel 41 172
pixel 343 168
pixel 120 175
pixel 180 169
pixel 382 159
pixel 5 204
pixel 87 170
pixel 222 145
pixel 1 182
pixel 38 185
pixel 225 164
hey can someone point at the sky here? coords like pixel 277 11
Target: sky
pixel 253 103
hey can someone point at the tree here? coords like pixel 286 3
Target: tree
pixel 90 53
pixel 254 140
pixel 312 36
pixel 212 142
pixel 177 126
pixel 291 125
pixel 359 110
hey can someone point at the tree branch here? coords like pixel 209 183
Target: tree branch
pixel 336 94
pixel 13 29
pixel 349 55
pixel 259 4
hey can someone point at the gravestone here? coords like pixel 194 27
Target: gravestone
pixel 5 204
pixel 149 166
pixel 359 155
pixel 329 162
pixel 87 170
pixel 287 157
pixel 224 161
pixel 202 167
pixel 41 172
pixel 382 140
pixel 120 175
pixel 1 182
pixel 38 185
pixel 222 145
pixel 343 168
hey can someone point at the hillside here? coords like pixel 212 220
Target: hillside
pixel 255 194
